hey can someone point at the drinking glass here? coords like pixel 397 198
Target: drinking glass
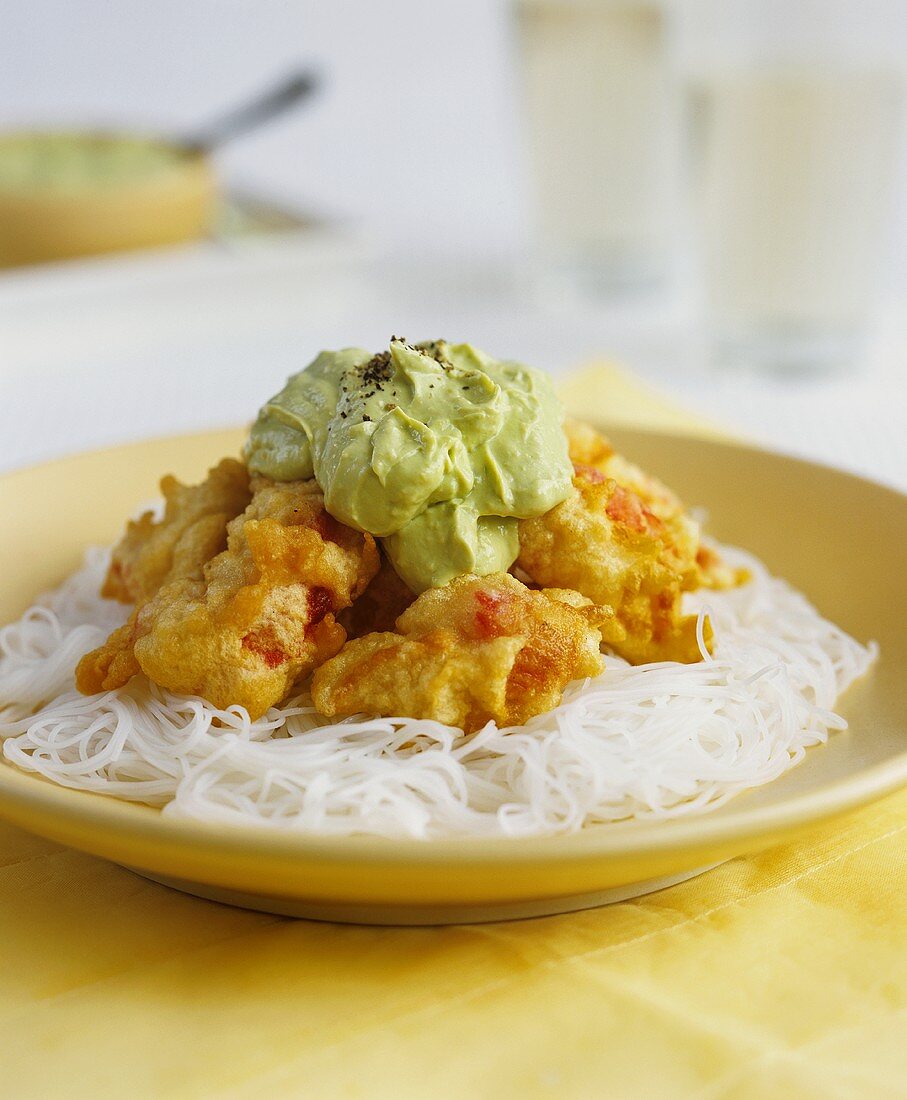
pixel 798 126
pixel 603 125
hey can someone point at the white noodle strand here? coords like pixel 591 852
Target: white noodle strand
pixel 647 741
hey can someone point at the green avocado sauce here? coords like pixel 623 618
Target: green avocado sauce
pixel 435 448
pixel 73 162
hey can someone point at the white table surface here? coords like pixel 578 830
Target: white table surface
pixel 106 351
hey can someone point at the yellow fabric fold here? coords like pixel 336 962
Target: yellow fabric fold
pixel 783 974
pixel 608 392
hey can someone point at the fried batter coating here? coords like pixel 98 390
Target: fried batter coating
pixel 191 530
pixel 241 590
pixel 606 543
pixel 112 664
pixel 591 453
pixel 477 650
pixel 586 446
pixel 699 563
pixel 153 553
pixel 380 605
pixel 255 618
pixel 714 571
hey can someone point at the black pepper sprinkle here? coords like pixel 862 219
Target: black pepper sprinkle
pixel 377 370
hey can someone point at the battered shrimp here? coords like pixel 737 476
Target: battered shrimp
pixel 243 627
pixel 479 649
pixel 606 543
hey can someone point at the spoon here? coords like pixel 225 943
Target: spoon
pixel 255 112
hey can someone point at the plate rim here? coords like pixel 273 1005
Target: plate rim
pixel 30 791
pixel 620 839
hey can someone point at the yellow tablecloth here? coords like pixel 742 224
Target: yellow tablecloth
pixel 780 975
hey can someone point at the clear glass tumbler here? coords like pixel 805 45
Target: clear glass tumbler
pixel 602 121
pixel 798 127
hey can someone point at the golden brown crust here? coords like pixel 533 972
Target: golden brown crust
pixel 192 529
pixel 242 589
pixel 699 565
pixel 586 446
pixel 112 664
pixel 477 650
pixel 605 542
pixel 246 625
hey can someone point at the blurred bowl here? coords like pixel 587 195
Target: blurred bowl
pixel 78 193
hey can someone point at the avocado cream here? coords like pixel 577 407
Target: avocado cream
pixel 73 162
pixel 436 448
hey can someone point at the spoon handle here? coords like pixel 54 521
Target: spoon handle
pixel 256 112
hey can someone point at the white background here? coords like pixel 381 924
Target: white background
pixel 412 135
pixel 413 149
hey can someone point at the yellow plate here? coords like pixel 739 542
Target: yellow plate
pixel 837 537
